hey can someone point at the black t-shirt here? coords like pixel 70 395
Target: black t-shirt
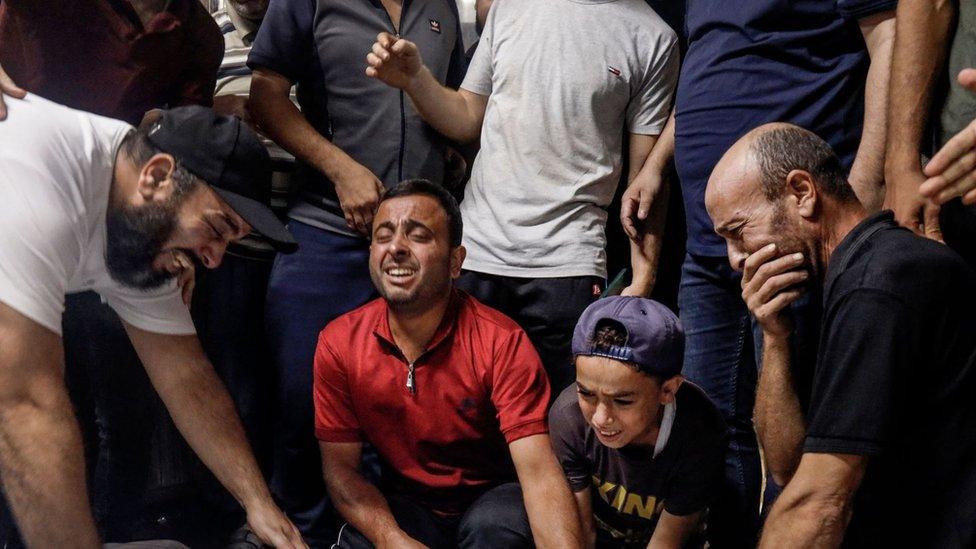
pixel 629 486
pixel 895 381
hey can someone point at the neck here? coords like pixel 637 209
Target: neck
pixel 839 220
pixel 413 330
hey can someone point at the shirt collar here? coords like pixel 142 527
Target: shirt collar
pixel 444 330
pixel 848 247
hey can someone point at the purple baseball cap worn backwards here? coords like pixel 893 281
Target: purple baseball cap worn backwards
pixel 655 340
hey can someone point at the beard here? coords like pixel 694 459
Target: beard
pixel 135 237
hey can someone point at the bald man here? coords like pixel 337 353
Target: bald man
pixel 888 413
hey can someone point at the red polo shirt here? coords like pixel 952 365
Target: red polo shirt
pixel 96 56
pixel 478 386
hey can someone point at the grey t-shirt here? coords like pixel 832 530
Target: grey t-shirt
pixel 565 79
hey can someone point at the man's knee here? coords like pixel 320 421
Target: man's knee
pixel 496 519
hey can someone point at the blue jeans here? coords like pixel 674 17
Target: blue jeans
pixel 327 277
pixel 723 349
pixel 496 519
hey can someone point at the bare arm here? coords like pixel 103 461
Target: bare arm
pixel 584 504
pixel 921 43
pixel 777 415
pixel 770 283
pixel 457 114
pixel 815 507
pixel 359 502
pixel 205 415
pixel 867 173
pixel 672 531
pixel 41 459
pixel 271 108
pixel 549 503
pixel 645 250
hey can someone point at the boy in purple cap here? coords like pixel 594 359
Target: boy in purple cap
pixel 642 472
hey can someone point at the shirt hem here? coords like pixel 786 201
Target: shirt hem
pixel 565 271
pixel 819 445
pixel 539 427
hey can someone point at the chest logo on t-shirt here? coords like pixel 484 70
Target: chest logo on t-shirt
pixel 435 25
pixel 617 496
pixel 613 70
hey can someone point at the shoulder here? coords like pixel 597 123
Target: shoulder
pixel 346 330
pixel 913 269
pixel 475 315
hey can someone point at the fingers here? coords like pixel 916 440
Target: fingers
pixel 967 77
pixel 380 51
pixel 627 209
pixel 7 87
pixel 756 260
pixel 932 229
pixel 773 286
pixel 767 311
pixel 385 39
pixel 954 149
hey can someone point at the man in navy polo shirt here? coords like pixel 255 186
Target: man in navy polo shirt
pixel 821 65
pixel 352 137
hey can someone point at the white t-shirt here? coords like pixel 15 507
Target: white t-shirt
pixel 56 167
pixel 564 80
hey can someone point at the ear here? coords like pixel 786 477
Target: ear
pixel 669 388
pixel 457 259
pixel 802 192
pixel 155 182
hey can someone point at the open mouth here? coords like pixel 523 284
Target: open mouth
pixel 399 273
pixel 608 434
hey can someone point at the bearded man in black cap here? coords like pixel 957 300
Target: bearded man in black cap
pixel 88 203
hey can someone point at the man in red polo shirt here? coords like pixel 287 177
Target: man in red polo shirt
pixel 450 393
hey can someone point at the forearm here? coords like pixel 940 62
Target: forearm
pixel 919 53
pixel 41 460
pixel 445 109
pixel 654 162
pixel 777 415
pixel 361 504
pixel 867 172
pixel 798 519
pixel 552 511
pixel 43 472
pixel 205 415
pixel 280 119
pixel 645 254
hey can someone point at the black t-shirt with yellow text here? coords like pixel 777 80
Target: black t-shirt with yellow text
pixel 629 486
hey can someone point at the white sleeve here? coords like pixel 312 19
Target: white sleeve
pixel 650 107
pixel 38 247
pixel 481 69
pixel 160 311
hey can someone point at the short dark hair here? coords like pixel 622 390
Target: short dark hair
pixel 413 187
pixel 137 147
pixel 781 150
pixel 611 333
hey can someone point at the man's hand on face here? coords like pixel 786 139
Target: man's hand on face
pixel 359 193
pixel 7 87
pixel 952 171
pixel 274 528
pixel 394 61
pixel 769 284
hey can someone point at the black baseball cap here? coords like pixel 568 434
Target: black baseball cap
pixel 228 156
pixel 655 340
